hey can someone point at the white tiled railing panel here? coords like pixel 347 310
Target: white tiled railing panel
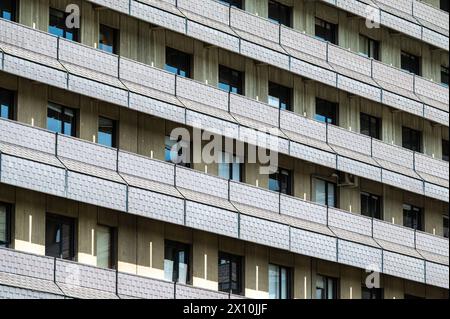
pixel 431 165
pixel 313 244
pixel 252 24
pixel 392 76
pixel 348 221
pixel 200 182
pixel 312 154
pixel 393 233
pixel 432 90
pixel 359 168
pixel 254 196
pixel 210 9
pixel 403 266
pixel 202 93
pixel 358 255
pixel 254 110
pixel 298 208
pixel 393 153
pixel 303 42
pixel 431 243
pixel 264 232
pixel 154 107
pixel 350 140
pixel 299 124
pixel 349 60
pixel 213 36
pixel 437 275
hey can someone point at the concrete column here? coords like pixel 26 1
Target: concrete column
pixel 205 260
pixel 256 271
pixel 150 247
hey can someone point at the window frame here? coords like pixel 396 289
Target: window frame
pixel 369 118
pixel 444 233
pixel 279 174
pixel 239 260
pixel 114 131
pixel 284 95
pixel 180 151
pixel 445 150
pixel 374 293
pixel 283 14
pixel 182 60
pixel 418 220
pixel 115 38
pixel 231 166
pixel 226 78
pixel 11 96
pixel 175 269
pixel 324 25
pixel 408 143
pixel 62 113
pixel 327 182
pixel 9 210
pixel 233 3
pixel 372 45
pixel 322 103
pixel 112 260
pixel 289 287
pixel 444 75
pixel 14 9
pixel 60 220
pixel 409 65
pixel 379 205
pixel 326 287
pixel 74 31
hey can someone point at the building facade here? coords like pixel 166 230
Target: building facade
pixel 352 97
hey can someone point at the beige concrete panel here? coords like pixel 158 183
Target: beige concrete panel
pixel 88 119
pixel 178 233
pixel 350 282
pixel 32 103
pixel 150 141
pixel 302 277
pixel 87 223
pixel 205 260
pixel 150 248
pixel 256 269
pixel 127 243
pixel 128 130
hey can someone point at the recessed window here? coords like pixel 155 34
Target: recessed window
pixel 8 9
pixel 5 224
pixel 231 80
pixel 280 96
pixel 233 3
pixel 445 226
pixel 325 192
pixel 370 125
pixel 326 111
pixel 230 167
pixel 409 296
pixel 372 293
pixel 176 261
pixel 326 287
pixel 230 273
pixel 326 31
pixel 444 5
pixel 411 139
pixel 369 47
pixel 410 63
pixel 412 217
pixel 178 62
pixel 6 104
pixel 444 75
pixel 177 151
pixel 61 119
pixel 445 150
pixel 59 236
pixel 371 205
pixel 279 282
pixel 57 26
pixel 280 13
pixel 106 247
pixel 108 39
pixel 281 181
pixel 106 131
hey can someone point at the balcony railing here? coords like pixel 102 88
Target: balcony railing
pixel 126 182
pixel 149 90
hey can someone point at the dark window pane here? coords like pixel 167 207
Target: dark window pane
pixel 412 217
pixel 57 25
pixel 105 246
pixel 280 13
pixel 59 237
pixel 444 5
pixel 371 205
pixel 369 47
pixel 230 167
pixel 230 273
pixel 106 132
pixel 410 63
pixel 370 125
pixel 281 181
pixel 445 150
pixel 176 261
pixel 371 293
pixel 325 192
pixel 61 119
pixel 279 282
pixel 326 111
pixel 8 9
pixel 280 96
pixel 233 3
pixel 231 80
pixel 5 224
pixel 6 104
pixel 411 139
pixel 445 226
pixel 444 75
pixel 177 151
pixel 108 39
pixel 326 287
pixel 326 31
pixel 178 62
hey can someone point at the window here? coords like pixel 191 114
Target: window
pixel 410 63
pixel 5 224
pixel 230 80
pixel 371 205
pixel 233 3
pixel 279 282
pixel 6 104
pixel 280 96
pixel 445 226
pixel 411 139
pixel 326 111
pixel 280 13
pixel 106 132
pixel 57 25
pixel 108 39
pixel 178 62
pixel 325 192
pixel 8 9
pixel 61 119
pixel 230 167
pixel 230 273
pixel 369 47
pixel 176 262
pixel 445 150
pixel 372 293
pixel 177 151
pixel 281 181
pixel 370 125
pixel 444 5
pixel 59 237
pixel 105 247
pixel 412 217
pixel 444 75
pixel 326 287
pixel 326 31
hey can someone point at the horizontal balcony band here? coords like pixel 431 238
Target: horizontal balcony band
pixel 306 139
pixel 158 191
pixel 280 46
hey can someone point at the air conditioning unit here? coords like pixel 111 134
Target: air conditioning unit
pixel 348 180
